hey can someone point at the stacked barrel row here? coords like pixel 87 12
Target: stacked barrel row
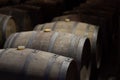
pixel 108 16
pixel 69 45
pixel 94 33
pixel 63 56
pixel 75 46
pixel 23 63
pixel 104 15
pixel 32 64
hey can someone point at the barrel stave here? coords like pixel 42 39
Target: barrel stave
pixel 33 64
pixel 7 27
pixel 93 32
pixel 60 43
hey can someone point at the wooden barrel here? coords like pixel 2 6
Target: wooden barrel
pixel 110 19
pixel 64 44
pixel 7 27
pixel 106 12
pixel 108 15
pixel 43 12
pixel 71 17
pixel 78 28
pixel 33 64
pixel 34 12
pixel 21 17
pixel 108 22
pixel 106 27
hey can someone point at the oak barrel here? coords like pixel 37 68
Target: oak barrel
pixel 30 64
pixel 110 13
pixel 7 27
pixel 21 17
pixel 78 28
pixel 64 44
pixel 109 25
pixel 34 12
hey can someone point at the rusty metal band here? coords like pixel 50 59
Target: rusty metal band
pixel 80 50
pixel 29 43
pixel 72 47
pixel 74 27
pixel 27 61
pixel 64 68
pixel 54 25
pixel 52 41
pixel 2 52
pixel 51 61
pixel 12 40
pixel 4 26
